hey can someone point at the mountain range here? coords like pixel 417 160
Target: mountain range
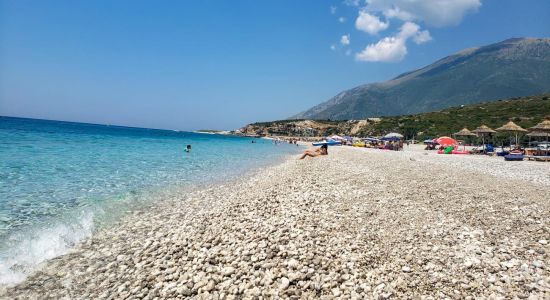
pixel 511 68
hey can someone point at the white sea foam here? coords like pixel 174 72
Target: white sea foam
pixel 50 171
pixel 28 249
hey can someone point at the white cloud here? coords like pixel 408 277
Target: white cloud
pixel 370 23
pixel 388 49
pixel 408 30
pixel 352 2
pixel 434 12
pixel 345 40
pixel 333 9
pixel 422 37
pixel 341 19
pixel 412 30
pixel 332 47
pixel 375 16
pixel 394 48
pixel 396 12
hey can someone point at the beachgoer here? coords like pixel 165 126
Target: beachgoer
pixel 188 148
pixel 323 150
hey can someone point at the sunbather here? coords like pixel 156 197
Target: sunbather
pixel 323 150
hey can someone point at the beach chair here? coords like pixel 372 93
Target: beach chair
pixel 541 157
pixel 475 150
pixel 513 157
pixel 489 149
pixel 503 152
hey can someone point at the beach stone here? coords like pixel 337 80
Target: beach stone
pixel 284 283
pixel 352 224
pixel 209 286
pixel 538 263
pixel 228 271
pixel 184 290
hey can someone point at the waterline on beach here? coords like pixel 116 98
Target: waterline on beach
pixel 30 248
pixel 331 225
pixel 61 182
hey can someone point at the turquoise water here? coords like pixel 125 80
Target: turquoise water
pixel 61 181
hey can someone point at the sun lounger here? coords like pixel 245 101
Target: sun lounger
pixel 513 157
pixel 537 157
pixel 503 153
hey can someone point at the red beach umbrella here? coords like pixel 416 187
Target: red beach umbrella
pixel 446 141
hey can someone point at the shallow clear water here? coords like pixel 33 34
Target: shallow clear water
pixel 60 181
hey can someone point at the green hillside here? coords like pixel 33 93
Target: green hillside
pixel 525 111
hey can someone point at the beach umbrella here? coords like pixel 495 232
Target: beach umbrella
pixel 430 141
pixel 337 138
pixel 328 143
pixel 372 139
pixel 482 131
pixel 542 127
pixel 393 136
pixel 537 134
pixel 512 128
pixel 464 132
pixel 446 141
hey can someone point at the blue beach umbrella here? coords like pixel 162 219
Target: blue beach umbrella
pixel 393 136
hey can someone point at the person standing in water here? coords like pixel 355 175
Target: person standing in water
pixel 188 148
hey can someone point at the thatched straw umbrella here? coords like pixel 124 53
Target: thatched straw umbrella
pixel 482 131
pixel 537 134
pixel 464 132
pixel 542 127
pixel 513 128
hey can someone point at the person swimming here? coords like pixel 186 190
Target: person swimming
pixel 323 150
pixel 188 148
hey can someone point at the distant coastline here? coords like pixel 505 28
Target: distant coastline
pixel 211 131
pixel 525 111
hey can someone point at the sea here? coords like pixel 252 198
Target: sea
pixel 62 181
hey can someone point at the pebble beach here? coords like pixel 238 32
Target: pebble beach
pixel 356 224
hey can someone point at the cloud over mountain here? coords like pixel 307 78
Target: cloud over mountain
pixel 433 12
pixel 393 48
pixel 370 24
pixel 376 15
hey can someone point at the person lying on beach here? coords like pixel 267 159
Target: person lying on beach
pixel 323 150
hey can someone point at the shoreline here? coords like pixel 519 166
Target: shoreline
pixel 352 224
pixel 36 247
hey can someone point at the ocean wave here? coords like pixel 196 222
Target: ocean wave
pixel 26 250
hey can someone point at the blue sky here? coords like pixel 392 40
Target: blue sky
pixel 221 64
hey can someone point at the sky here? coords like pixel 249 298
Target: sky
pixel 205 64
